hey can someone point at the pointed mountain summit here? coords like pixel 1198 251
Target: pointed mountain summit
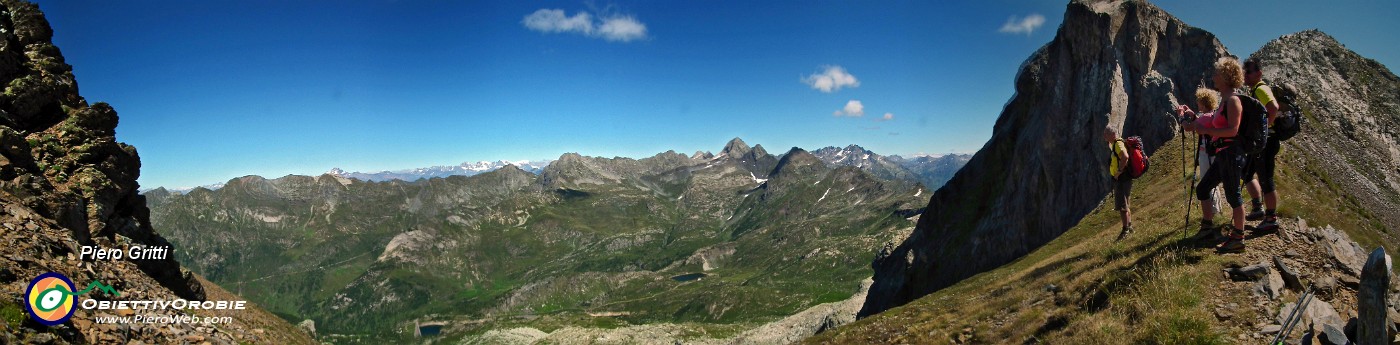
pixel 799 162
pixel 735 148
pixel 702 155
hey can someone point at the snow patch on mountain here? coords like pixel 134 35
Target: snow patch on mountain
pixel 464 169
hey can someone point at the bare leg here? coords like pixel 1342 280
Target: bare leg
pixel 1238 214
pixel 1207 209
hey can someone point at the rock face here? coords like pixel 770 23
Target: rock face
pixel 1130 59
pixel 1352 132
pixel 66 182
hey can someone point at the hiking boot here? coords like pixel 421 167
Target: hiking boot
pixel 1127 230
pixel 1269 225
pixel 1233 244
pixel 1208 232
pixel 1256 212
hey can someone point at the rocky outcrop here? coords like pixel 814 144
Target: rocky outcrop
pixel 1040 173
pixel 1352 132
pixel 787 330
pixel 66 182
pixel 814 320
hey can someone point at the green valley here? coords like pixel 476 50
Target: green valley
pixel 716 243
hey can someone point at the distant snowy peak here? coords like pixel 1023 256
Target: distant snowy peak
pixel 186 190
pixel 851 155
pixel 464 169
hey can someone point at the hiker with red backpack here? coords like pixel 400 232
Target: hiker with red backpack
pixel 1262 163
pixel 1126 162
pixel 1232 138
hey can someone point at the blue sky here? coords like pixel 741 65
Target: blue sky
pixel 210 90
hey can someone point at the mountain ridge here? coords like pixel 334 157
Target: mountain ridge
pixel 588 235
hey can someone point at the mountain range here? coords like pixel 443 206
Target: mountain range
pixel 464 169
pixel 735 239
pixel 931 170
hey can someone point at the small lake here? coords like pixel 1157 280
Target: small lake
pixel 430 330
pixel 688 277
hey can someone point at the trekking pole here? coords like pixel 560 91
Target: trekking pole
pixel 1181 129
pixel 1293 318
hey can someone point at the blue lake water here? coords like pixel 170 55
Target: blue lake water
pixel 688 277
pixel 430 330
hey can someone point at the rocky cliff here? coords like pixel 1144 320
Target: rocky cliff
pixel 66 182
pixel 1128 59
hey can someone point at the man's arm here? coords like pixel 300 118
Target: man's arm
pixel 1272 105
pixel 1122 157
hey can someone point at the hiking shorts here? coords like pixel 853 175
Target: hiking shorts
pixel 1122 187
pixel 1226 170
pixel 1263 165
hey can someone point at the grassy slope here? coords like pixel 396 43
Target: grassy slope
pixel 1151 288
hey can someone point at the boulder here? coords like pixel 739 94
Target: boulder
pixel 1249 273
pixel 1290 276
pixel 1333 335
pixel 1343 253
pixel 1372 326
pixel 1270 286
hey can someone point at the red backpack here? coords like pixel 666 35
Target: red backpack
pixel 1137 160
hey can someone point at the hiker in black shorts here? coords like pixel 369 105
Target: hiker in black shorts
pixel 1228 162
pixel 1262 164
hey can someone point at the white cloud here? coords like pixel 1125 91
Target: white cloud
pixel 616 29
pixel 853 108
pixel 624 29
pixel 887 117
pixel 831 80
pixel 551 21
pixel 1025 25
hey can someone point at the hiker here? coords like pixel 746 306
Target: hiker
pixel 1262 163
pixel 1228 163
pixel 1207 101
pixel 1122 181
